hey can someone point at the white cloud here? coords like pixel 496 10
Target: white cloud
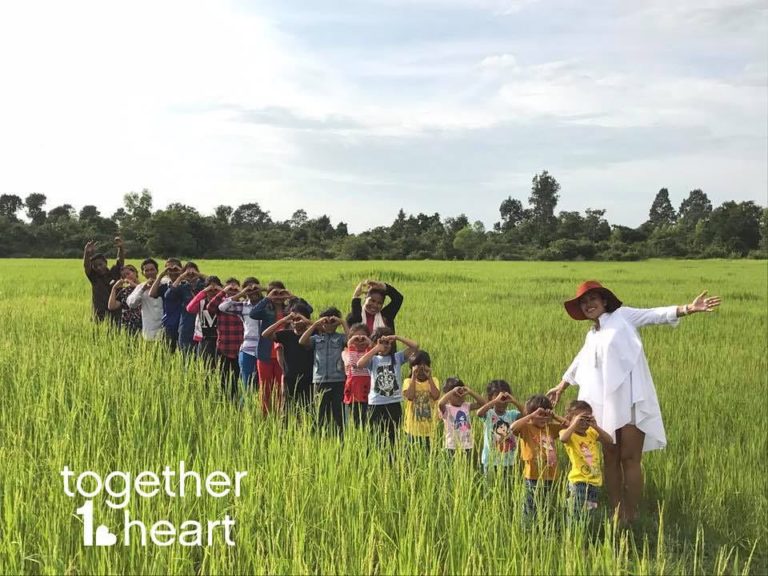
pixel 206 103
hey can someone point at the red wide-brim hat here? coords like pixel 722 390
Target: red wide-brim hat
pixel 574 309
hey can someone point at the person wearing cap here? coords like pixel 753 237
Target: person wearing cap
pixel 613 376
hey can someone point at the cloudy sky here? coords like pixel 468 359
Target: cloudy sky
pixel 358 108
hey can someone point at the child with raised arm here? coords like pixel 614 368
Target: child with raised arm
pixel 328 374
pixel 358 383
pixel 421 392
pixel 498 440
pixel 299 360
pixel 582 439
pixel 385 369
pixel 455 408
pixel 537 431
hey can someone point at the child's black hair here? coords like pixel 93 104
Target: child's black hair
pixel 381 292
pixel 381 331
pixel 577 406
pixel 301 308
pixel 360 327
pixel 149 261
pixel 420 358
pixel 276 284
pixel 537 401
pixel 452 382
pixel 211 280
pixel 191 264
pixel 173 261
pixel 330 313
pixel 98 256
pixel 496 386
pixel 250 280
pixel 232 280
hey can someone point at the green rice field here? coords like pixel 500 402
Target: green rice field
pixel 80 396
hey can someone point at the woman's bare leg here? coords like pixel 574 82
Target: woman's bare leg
pixel 612 472
pixel 631 453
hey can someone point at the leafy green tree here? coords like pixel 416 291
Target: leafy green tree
pixel 570 225
pixel 470 241
pixel 543 200
pixel 661 212
pixel 596 227
pixel 512 214
pixel 355 248
pixel 251 215
pixel 138 206
pixel 88 213
pixel 735 226
pixel 34 203
pixel 695 208
pixel 63 212
pixel 222 214
pixel 10 204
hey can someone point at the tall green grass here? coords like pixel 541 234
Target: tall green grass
pixel 76 395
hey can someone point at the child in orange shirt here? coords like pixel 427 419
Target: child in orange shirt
pixel 537 430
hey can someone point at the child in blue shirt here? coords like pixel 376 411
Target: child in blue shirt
pixel 328 375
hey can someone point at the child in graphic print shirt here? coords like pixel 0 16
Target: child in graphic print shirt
pixel 421 394
pixel 537 431
pixel 582 440
pixel 385 367
pixel 498 440
pixel 455 408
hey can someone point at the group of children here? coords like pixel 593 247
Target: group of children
pixel 364 371
pixel 262 339
pixel 509 428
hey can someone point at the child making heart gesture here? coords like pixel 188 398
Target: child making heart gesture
pixel 358 383
pixel 537 431
pixel 421 392
pixel 498 415
pixel 385 369
pixel 455 407
pixel 328 375
pixel 582 440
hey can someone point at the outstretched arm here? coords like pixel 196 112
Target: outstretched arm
pixel 88 251
pixel 120 251
pixel 669 314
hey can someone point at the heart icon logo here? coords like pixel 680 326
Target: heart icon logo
pixel 104 537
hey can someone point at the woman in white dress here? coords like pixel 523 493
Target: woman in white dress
pixel 613 376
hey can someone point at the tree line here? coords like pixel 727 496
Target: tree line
pixel 532 232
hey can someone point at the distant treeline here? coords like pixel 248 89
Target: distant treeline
pixel 535 232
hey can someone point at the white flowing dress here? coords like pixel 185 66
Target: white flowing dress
pixel 613 375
